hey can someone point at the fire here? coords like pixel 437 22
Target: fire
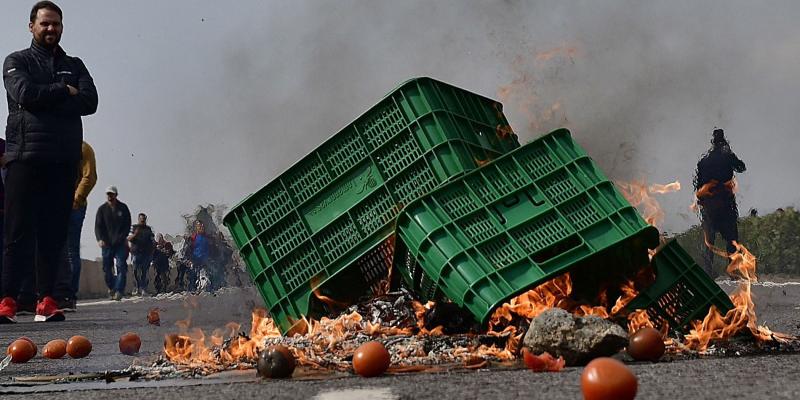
pixel 192 348
pixel 639 194
pixel 716 326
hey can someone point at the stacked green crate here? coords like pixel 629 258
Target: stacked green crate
pixel 326 224
pixel 516 222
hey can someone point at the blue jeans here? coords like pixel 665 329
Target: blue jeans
pixel 74 247
pixel 117 254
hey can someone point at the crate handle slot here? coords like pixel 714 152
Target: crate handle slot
pixel 518 207
pixel 542 256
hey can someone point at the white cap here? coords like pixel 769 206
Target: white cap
pixel 111 189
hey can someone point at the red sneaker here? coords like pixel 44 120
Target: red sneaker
pixel 47 311
pixel 8 311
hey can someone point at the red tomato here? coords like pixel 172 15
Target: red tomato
pixel 21 351
pixel 79 347
pixel 542 362
pixel 371 359
pixel 129 344
pixel 646 345
pixel 608 379
pixel 31 342
pixel 55 349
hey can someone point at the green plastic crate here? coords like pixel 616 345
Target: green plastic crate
pixel 517 222
pixel 332 213
pixel 681 293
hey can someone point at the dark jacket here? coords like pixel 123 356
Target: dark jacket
pixel 112 225
pixel 44 120
pixel 143 240
pixel 719 164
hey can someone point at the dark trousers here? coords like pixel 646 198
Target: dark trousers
pixel 69 271
pixel 115 266
pixel 141 263
pixel 161 266
pixel 726 226
pixel 38 201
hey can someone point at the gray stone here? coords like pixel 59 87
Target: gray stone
pixel 577 339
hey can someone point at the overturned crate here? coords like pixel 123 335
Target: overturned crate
pixel 523 219
pixel 324 228
pixel 682 291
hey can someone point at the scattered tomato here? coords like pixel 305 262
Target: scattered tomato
pixel 55 349
pixel 21 351
pixel 543 362
pixel 646 345
pixel 31 342
pixel 79 347
pixel 153 318
pixel 608 379
pixel 129 344
pixel 371 359
pixel 276 362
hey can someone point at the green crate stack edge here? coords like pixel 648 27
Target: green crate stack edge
pixel 516 222
pixel 337 206
pixel 681 293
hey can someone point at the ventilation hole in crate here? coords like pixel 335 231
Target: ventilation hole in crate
pixel 307 178
pixel 541 233
pixel 398 155
pixel 298 267
pixel 537 162
pixel 414 182
pixel 581 213
pixel 343 152
pixel 270 207
pixel 374 265
pixel 478 227
pixel 512 173
pixel 484 190
pixel 678 302
pixel 558 187
pixel 382 124
pixel 375 212
pixel 499 252
pixel 338 238
pixel 456 201
pixel 284 236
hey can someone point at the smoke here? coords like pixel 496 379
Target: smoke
pixel 205 102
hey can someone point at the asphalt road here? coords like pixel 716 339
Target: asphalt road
pixel 751 377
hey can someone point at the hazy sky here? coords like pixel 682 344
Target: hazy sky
pixel 205 101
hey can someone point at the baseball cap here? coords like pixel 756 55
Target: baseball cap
pixel 111 189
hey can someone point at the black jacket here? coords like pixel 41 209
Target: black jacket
pixel 112 225
pixel 143 241
pixel 44 121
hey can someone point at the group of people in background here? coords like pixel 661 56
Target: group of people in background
pixel 48 173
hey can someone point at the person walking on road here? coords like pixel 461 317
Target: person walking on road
pixel 142 246
pixel 161 256
pixel 111 227
pixel 48 92
pixel 713 185
pixel 70 267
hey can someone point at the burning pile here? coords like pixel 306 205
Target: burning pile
pixel 418 338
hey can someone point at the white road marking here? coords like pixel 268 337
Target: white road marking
pixel 357 394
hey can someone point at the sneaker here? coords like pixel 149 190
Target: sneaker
pixel 47 311
pixel 117 296
pixel 67 304
pixel 8 311
pixel 135 292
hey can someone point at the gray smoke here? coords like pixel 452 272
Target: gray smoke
pixel 205 101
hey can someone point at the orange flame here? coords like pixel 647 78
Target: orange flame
pixel 638 193
pixel 193 349
pixel 715 326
